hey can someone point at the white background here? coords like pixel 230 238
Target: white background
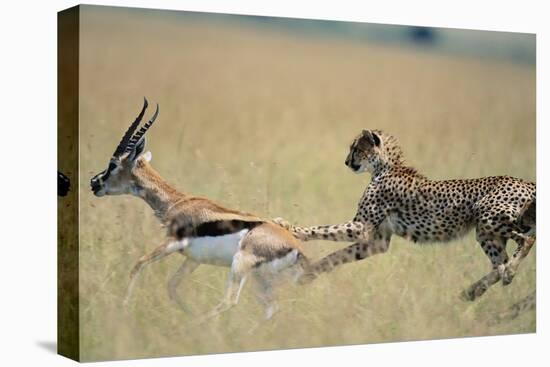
pixel 27 185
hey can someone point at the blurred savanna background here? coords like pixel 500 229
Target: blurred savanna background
pixel 257 114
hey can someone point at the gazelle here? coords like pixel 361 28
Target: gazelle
pixel 203 231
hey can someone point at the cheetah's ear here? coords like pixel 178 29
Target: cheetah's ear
pixel 371 138
pixel 376 139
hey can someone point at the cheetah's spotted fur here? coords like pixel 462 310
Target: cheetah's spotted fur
pixel 401 201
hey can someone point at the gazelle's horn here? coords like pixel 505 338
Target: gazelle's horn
pixel 126 138
pixel 139 135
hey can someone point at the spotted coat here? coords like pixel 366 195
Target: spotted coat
pixel 401 201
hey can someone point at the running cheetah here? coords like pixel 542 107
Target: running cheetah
pixel 401 201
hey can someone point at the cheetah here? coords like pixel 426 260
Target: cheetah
pixel 401 201
pixel 525 304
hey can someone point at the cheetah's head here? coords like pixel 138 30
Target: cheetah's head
pixel 364 152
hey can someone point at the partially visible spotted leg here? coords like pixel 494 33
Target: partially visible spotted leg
pixel 526 304
pixel 356 252
pixel 525 243
pixel 348 231
pixel 495 249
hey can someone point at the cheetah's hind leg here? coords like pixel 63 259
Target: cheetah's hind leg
pixel 478 288
pixel 525 243
pixel 495 249
pixel 526 304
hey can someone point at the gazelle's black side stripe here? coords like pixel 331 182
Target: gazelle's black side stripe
pixel 278 254
pixel 214 228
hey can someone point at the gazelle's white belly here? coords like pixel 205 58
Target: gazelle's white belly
pixel 214 250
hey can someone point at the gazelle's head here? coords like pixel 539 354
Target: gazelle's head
pixel 118 178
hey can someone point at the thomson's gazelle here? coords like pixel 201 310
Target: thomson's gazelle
pixel 203 231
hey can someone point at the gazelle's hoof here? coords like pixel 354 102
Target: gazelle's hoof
pixel 270 311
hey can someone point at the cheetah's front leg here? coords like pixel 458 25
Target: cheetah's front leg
pixel 346 232
pixel 377 244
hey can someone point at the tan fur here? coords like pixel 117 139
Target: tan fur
pixel 272 238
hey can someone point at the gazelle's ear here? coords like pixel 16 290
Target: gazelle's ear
pixel 140 146
pixel 147 156
pixel 138 149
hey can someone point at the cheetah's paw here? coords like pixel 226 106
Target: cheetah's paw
pixel 508 276
pixel 282 222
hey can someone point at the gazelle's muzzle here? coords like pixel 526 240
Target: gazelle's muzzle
pixel 96 183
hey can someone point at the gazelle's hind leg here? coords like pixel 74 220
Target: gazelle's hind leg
pixel 240 269
pixel 263 290
pixel 234 285
pixel 264 294
pixel 185 269
pixel 169 246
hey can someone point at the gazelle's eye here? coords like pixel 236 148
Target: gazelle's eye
pixel 113 168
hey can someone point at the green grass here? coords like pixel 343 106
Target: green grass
pixel 261 122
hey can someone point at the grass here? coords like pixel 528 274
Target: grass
pixel 261 121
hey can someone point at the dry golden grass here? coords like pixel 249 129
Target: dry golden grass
pixel 260 121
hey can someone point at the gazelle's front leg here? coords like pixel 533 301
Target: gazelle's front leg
pixel 348 231
pixel 168 246
pixel 185 269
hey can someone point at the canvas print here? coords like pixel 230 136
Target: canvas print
pixel 232 183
